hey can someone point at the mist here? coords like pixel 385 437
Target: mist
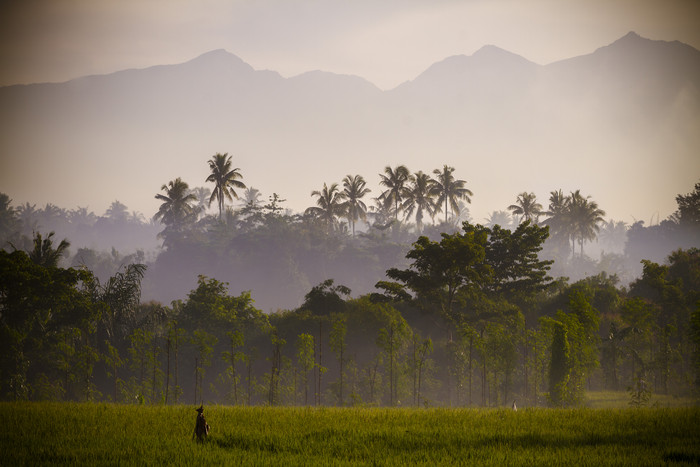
pixel 616 128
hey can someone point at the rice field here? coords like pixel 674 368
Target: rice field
pixel 105 434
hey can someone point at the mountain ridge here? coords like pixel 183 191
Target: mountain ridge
pixel 147 125
pixel 222 56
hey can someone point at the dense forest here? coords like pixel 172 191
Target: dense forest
pixel 398 301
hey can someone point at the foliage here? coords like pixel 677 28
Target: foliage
pixel 560 365
pixel 449 190
pixel 225 180
pixel 460 310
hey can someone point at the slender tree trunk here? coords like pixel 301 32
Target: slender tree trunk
pixel 116 401
pixel 196 379
pixel 415 373
pixel 167 370
pixel 341 375
pixel 527 347
pixel 483 374
pixel 447 207
pixel 155 361
pixel 391 365
pixel 420 379
pixel 320 360
pixel 249 382
pixel 471 359
pixel 177 393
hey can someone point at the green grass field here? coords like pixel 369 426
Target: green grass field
pixel 104 434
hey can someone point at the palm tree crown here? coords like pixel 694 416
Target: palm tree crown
pixel 527 207
pixel 329 205
pixel 44 254
pixel 420 198
pixel 175 210
pixel 448 190
pixel 225 179
pixel 585 216
pixel 354 190
pixel 395 181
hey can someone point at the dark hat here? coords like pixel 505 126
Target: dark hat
pixel 200 409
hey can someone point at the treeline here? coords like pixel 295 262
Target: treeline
pixel 350 234
pixel 473 319
pixel 470 315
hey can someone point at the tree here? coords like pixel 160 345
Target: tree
pixel 391 339
pixel 204 346
pixel 43 308
pixel 448 190
pixel 9 222
pixel 252 197
pixel 329 205
pixel 395 181
pixel 585 217
pixel 439 271
pixel 419 198
pixel 518 273
pixel 306 360
pixel 688 213
pixel 421 350
pixel 695 340
pixel 558 219
pixel 559 366
pixel 354 190
pixel 117 212
pixel 176 210
pixel 44 253
pixel 338 346
pixel 614 234
pixel 527 207
pixel 121 296
pixel 225 180
pixel 501 218
pixel 203 194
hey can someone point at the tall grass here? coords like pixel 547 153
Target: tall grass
pixel 102 434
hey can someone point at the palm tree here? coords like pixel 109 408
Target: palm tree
pixel 28 217
pixel 614 234
pixel 558 218
pixel 329 205
pixel 252 197
pixel 420 198
pixel 585 218
pixel 117 212
pixel 81 216
pixel 448 190
pixel 225 179
pixel 354 190
pixel 395 181
pixel 527 207
pixel 501 218
pixel 44 254
pixel 202 194
pixel 176 211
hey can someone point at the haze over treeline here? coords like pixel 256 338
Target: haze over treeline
pixel 461 239
pixel 465 315
pixel 599 122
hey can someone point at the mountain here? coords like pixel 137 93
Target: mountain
pixel 623 117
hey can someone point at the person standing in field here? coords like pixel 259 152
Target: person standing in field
pixel 201 427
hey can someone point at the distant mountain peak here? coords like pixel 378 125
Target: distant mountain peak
pixel 490 50
pixel 220 57
pixel 631 36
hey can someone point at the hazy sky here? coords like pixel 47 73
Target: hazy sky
pixel 386 42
